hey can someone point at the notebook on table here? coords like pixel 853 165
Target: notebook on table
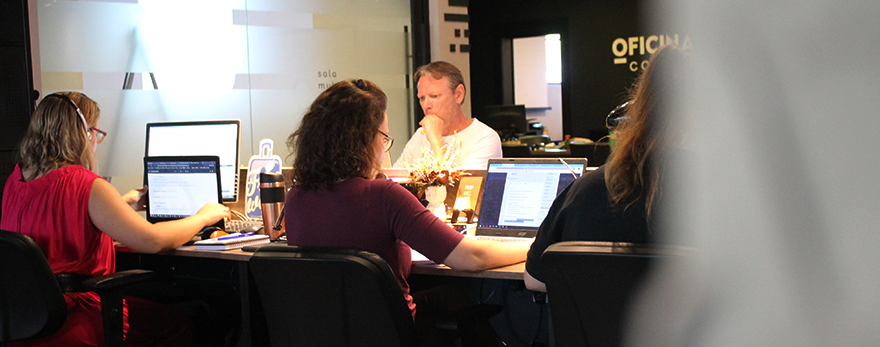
pixel 232 241
pixel 518 192
pixel 177 187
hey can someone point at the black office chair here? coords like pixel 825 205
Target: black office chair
pixel 336 297
pixel 596 153
pixel 589 287
pixel 31 297
pixel 508 124
pixel 326 297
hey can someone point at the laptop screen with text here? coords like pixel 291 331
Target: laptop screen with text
pixel 177 187
pixel 518 193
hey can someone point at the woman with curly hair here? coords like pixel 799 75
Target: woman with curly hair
pixel 336 202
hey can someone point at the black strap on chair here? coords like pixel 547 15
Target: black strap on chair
pixel 72 283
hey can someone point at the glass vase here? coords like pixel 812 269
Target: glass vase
pixel 436 195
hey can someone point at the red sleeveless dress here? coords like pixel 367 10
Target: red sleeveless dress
pixel 54 211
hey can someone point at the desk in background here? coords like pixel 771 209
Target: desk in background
pixel 596 153
pixel 550 153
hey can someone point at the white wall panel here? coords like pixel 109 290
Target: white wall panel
pixel 261 61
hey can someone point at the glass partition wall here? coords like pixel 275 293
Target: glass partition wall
pixel 260 61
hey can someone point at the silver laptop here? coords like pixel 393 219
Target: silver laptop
pixel 518 192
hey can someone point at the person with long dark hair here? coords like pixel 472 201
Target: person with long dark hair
pixel 616 202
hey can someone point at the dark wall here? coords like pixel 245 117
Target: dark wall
pixel 592 83
pixel 421 48
pixel 16 82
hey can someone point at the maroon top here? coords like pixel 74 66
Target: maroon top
pixel 371 215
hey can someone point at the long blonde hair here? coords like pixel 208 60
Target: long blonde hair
pixel 633 171
pixel 56 136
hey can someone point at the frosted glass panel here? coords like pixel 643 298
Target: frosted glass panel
pixel 262 62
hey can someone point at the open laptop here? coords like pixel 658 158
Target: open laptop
pixel 518 192
pixel 177 187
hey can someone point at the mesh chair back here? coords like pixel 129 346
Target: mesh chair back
pixel 31 302
pixel 330 297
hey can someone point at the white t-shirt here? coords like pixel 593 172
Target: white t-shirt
pixel 477 144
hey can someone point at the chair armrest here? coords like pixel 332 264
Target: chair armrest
pixel 109 288
pixel 116 280
pixel 453 321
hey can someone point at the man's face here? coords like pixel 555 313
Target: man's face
pixel 438 99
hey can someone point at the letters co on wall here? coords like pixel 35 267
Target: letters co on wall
pixel 634 51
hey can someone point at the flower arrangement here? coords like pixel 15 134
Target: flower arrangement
pixel 430 176
pixel 429 170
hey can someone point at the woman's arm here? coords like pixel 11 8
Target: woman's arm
pixel 474 255
pixel 136 198
pixel 533 283
pixel 114 217
pixel 421 230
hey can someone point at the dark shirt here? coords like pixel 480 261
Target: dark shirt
pixel 582 212
pixel 378 216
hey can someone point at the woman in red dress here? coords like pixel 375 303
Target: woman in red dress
pixel 55 197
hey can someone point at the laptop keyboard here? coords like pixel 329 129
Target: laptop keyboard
pixel 235 225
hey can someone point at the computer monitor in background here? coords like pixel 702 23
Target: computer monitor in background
pixel 218 137
pixel 508 120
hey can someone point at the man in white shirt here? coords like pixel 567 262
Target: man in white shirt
pixel 445 127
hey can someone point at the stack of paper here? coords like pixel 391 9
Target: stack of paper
pixel 231 241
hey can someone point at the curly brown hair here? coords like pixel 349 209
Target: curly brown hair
pixel 632 173
pixel 337 135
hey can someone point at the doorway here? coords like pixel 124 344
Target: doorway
pixel 537 80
